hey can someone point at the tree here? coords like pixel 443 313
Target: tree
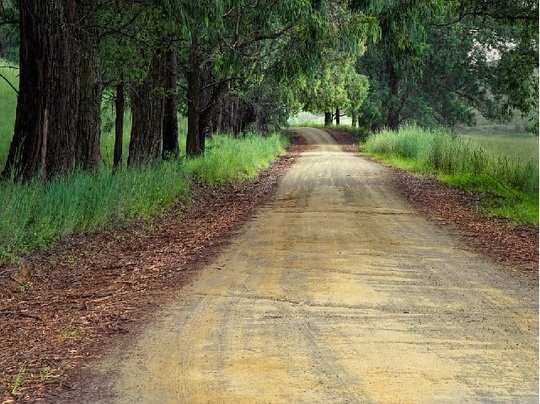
pixel 170 108
pixel 87 151
pixel 357 86
pixel 337 86
pixel 443 61
pixel 234 43
pixel 45 134
pixel 147 102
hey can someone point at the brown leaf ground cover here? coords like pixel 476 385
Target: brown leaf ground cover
pixel 66 306
pixel 500 239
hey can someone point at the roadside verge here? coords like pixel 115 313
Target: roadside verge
pixel 89 292
pixel 513 245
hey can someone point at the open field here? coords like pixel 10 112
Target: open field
pixel 508 181
pixel 514 145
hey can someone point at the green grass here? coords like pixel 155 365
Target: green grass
pixel 35 214
pixel 513 145
pixel 229 159
pixel 8 104
pixel 510 184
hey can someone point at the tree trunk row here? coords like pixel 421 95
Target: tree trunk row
pixel 147 101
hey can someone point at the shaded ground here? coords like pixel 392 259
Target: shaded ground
pixel 336 291
pixel 77 298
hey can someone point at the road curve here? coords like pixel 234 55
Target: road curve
pixel 337 292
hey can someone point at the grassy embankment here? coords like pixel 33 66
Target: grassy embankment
pixel 35 214
pixel 508 182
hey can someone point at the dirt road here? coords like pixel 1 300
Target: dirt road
pixel 336 292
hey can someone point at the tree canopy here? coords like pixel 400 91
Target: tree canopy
pixel 230 65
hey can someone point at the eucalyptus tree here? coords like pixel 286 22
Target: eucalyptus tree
pixel 220 48
pixel 44 141
pixel 395 57
pixel 357 86
pixel 229 46
pixel 336 87
pixel 444 60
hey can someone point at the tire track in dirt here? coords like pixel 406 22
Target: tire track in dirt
pixel 337 291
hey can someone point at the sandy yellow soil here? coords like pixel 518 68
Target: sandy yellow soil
pixel 337 292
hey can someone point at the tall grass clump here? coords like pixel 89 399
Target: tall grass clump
pixel 511 182
pixel 32 215
pixel 35 214
pixel 230 159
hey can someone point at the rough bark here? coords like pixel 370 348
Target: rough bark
pixel 47 114
pixel 338 116
pixel 170 115
pixel 203 95
pixel 147 115
pixel 193 140
pixel 89 122
pixel 119 104
pixel 327 118
pixel 354 119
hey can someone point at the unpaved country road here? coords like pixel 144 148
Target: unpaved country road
pixel 337 292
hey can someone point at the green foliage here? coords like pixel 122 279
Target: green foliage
pixel 35 214
pixel 223 163
pixel 508 182
pixel 334 86
pixel 9 33
pixel 437 62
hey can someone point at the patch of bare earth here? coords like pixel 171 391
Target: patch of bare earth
pixel 69 304
pixel 499 239
pixel 346 140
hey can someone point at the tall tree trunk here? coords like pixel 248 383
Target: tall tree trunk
pixel 170 110
pixel 119 104
pixel 46 119
pixel 147 115
pixel 354 119
pixel 327 118
pixel 193 144
pixel 338 116
pixel 393 118
pixel 89 122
